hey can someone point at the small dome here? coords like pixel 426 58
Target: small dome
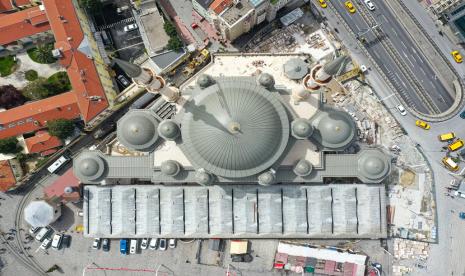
pixel 334 129
pixel 204 80
pixel 266 178
pixel 68 190
pixel 170 167
pixel 373 165
pixel 266 80
pixel 301 92
pixel 89 166
pixel 301 128
pixel 203 178
pixel 303 168
pixel 137 130
pixel 295 69
pixel 168 130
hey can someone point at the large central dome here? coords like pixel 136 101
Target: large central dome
pixel 234 128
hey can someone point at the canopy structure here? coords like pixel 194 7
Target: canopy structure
pixel 41 213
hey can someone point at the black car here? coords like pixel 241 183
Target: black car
pixel 106 245
pixel 104 130
pixel 66 241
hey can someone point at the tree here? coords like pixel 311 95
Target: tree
pixel 10 97
pixel 174 43
pixel 36 90
pixel 92 6
pixel 44 53
pixel 9 145
pixel 61 128
pixel 58 83
pixel 170 30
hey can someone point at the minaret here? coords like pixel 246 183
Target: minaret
pixel 147 78
pixel 320 75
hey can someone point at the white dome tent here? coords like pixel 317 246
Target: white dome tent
pixel 40 213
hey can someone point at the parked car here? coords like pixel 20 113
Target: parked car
pixel 154 243
pixel 459 194
pixel 43 233
pixel 96 243
pixel 133 246
pixel 350 7
pixel 123 246
pixel 104 130
pixel 46 244
pixel 457 56
pixel 462 215
pixel 121 9
pixel 194 25
pixel 34 230
pixel 450 164
pixel 162 245
pixel 66 242
pixel 106 245
pixel 144 244
pixel 422 124
pixel 446 137
pixel 172 243
pixel 123 80
pixel 56 242
pixel 130 27
pixel 369 5
pixel 322 3
pixel 401 109
pixel 456 145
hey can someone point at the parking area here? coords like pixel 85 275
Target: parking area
pixel 119 30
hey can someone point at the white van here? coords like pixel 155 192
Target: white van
pixel 133 246
pixel 56 242
pixel 43 233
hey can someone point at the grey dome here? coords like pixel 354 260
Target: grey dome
pixel 204 80
pixel 170 167
pixel 295 69
pixel 237 130
pixel 168 130
pixel 89 166
pixel 334 129
pixel 301 128
pixel 266 80
pixel 137 130
pixel 303 168
pixel 373 165
pixel 203 178
pixel 266 178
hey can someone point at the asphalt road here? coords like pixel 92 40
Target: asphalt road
pixel 408 52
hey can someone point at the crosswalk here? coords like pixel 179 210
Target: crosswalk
pixel 121 22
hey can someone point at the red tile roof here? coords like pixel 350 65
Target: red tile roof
pixel 218 6
pixel 5 5
pixel 22 24
pixel 20 3
pixel 81 69
pixel 68 179
pixel 7 178
pixel 42 141
pixel 34 116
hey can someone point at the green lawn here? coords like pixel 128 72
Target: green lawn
pixel 7 65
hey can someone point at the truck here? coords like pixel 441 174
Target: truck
pixel 58 164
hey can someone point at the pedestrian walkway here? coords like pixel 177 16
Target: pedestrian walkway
pixel 109 26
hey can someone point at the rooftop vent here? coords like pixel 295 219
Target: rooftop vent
pixel 57 53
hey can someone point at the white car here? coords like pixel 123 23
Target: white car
pixel 459 194
pixel 34 230
pixel 123 80
pixel 153 244
pixel 56 242
pixel 96 243
pixel 130 27
pixel 144 244
pixel 369 5
pixel 46 243
pixel 43 233
pixel 401 109
pixel 133 246
pixel 172 243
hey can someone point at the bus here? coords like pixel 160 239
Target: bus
pixel 58 164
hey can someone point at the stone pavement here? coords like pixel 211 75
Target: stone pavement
pixel 18 80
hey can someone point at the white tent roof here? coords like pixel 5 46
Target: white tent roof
pixel 39 213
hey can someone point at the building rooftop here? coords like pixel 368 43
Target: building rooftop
pixel 34 115
pixel 57 188
pixel 237 11
pixel 218 6
pixel 7 177
pixel 152 31
pixel 22 24
pixel 42 141
pixel 204 3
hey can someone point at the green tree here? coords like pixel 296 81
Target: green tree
pixel 58 83
pixel 174 43
pixel 9 145
pixel 36 90
pixel 43 54
pixel 61 128
pixel 170 30
pixel 92 6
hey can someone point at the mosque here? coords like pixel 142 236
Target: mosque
pixel 250 152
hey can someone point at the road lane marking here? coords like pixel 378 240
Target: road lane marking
pixel 423 71
pixel 403 44
pixel 394 31
pixel 410 61
pixel 384 17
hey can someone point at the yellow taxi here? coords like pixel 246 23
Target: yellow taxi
pixel 456 145
pixel 450 164
pixel 446 137
pixel 422 124
pixel 322 3
pixel 350 7
pixel 457 56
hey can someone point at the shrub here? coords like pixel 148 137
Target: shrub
pixel 7 65
pixel 61 128
pixel 169 28
pixel 31 75
pixel 42 88
pixel 42 54
pixel 10 97
pixel 9 145
pixel 174 43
